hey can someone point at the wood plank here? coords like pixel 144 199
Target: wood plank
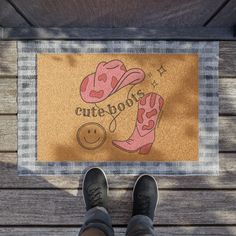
pixel 95 13
pixel 8 132
pixel 160 231
pixel 227 66
pixel 227 95
pixel 228 133
pixel 66 207
pixel 8 136
pixel 127 33
pixel 226 17
pixel 8 96
pixel 9 17
pixel 226 180
pixel 8 58
pixel 10 179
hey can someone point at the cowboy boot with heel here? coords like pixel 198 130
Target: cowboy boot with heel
pixel 143 136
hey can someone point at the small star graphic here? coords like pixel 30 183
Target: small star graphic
pixel 149 74
pixel 161 70
pixel 154 83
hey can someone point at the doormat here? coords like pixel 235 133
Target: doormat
pixel 129 107
pixel 117 107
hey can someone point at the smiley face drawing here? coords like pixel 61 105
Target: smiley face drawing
pixel 91 135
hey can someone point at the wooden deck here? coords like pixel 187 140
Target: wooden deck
pixel 53 205
pixel 118 19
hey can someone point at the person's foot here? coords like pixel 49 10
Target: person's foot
pixel 145 196
pixel 95 188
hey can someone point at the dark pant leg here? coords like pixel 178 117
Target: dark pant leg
pixel 140 225
pixel 93 232
pixel 97 218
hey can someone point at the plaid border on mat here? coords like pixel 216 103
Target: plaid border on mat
pixel 208 163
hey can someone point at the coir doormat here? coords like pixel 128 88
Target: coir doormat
pixel 129 107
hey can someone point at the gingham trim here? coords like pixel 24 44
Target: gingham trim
pixel 208 163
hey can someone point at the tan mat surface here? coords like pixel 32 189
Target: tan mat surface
pixel 117 107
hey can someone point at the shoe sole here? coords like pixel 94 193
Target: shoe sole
pixel 156 185
pixel 103 174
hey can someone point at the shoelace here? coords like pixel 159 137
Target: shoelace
pixel 144 204
pixel 95 195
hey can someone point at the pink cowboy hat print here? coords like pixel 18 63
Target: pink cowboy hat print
pixel 109 78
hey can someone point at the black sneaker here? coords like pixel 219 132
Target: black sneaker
pixel 145 196
pixel 95 188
